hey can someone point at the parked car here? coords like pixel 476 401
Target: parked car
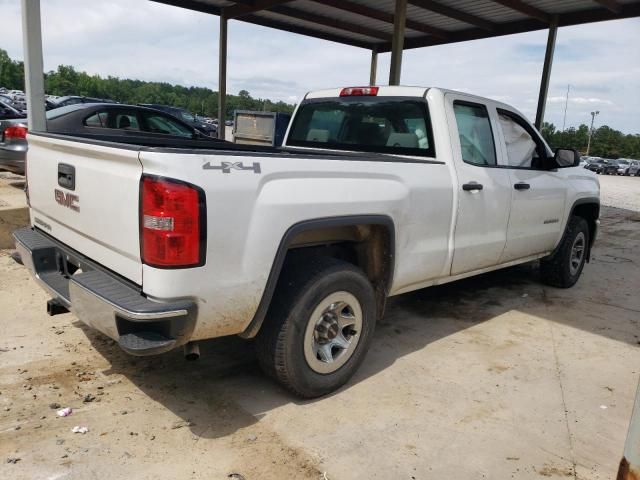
pixel 13 143
pixel 15 93
pixel 8 111
pixel 186 116
pixel 611 167
pixel 634 168
pixel 623 166
pixel 598 166
pixel 377 191
pixel 105 120
pixel 73 100
pixel 20 102
pixel 7 100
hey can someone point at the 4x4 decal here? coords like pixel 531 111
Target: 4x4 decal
pixel 226 167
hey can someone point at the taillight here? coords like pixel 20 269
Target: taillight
pixel 172 223
pixel 359 92
pixel 15 132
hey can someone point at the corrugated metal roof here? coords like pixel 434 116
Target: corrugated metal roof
pixel 369 23
pixel 308 24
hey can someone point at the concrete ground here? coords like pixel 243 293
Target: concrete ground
pixel 492 377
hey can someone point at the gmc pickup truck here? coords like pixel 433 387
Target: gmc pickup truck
pixel 376 191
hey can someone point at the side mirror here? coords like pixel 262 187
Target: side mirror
pixel 565 157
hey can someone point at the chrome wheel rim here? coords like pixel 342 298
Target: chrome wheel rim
pixel 333 332
pixel 577 253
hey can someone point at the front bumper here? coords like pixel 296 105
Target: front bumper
pixel 103 300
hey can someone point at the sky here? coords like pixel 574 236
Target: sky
pixel 149 41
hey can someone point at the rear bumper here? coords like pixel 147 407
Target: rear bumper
pixel 104 301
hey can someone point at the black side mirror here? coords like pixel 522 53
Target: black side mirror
pixel 566 157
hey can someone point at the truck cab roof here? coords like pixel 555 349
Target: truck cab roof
pixel 387 91
pixel 382 91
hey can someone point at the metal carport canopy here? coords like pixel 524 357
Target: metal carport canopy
pixel 382 25
pixel 369 23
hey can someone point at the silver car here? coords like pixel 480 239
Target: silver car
pixel 634 168
pixel 13 142
pixel 623 166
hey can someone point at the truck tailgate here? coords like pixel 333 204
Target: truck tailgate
pixel 87 197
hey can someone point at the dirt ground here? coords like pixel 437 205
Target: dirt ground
pixel 494 377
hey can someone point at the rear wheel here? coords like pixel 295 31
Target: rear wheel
pixel 563 268
pixel 319 326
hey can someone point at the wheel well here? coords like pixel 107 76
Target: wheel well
pixel 367 246
pixel 590 212
pixel 367 242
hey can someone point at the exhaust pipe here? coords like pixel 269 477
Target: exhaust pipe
pixel 192 351
pixel 54 307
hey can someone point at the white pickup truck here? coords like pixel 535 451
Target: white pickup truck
pixel 376 191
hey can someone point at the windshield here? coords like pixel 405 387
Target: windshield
pixel 367 124
pixel 623 162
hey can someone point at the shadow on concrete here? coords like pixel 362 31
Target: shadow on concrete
pixel 208 392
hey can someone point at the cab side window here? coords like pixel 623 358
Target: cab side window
pixel 524 148
pixel 476 136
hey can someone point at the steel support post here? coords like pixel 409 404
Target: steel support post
pixel 397 44
pixel 546 72
pixel 222 76
pixel 33 65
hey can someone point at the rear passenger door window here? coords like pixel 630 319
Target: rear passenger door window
pixel 474 131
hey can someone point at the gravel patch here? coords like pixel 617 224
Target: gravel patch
pixel 620 192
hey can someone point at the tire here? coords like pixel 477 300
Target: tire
pixel 300 323
pixel 562 269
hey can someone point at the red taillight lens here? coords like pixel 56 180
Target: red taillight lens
pixel 171 223
pixel 359 92
pixel 16 131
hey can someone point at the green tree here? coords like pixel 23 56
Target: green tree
pixel 11 72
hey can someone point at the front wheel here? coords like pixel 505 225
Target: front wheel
pixel 563 268
pixel 319 327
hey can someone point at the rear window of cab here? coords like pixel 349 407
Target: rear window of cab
pixel 394 125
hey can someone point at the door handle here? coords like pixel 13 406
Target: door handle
pixel 468 187
pixel 522 186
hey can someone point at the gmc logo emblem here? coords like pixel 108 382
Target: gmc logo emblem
pixel 68 200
